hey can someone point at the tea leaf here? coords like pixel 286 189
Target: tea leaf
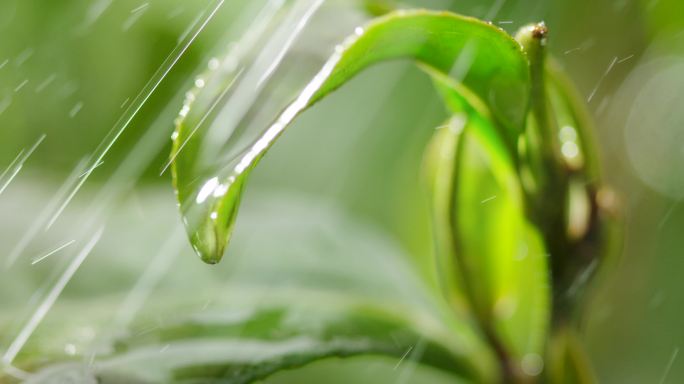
pixel 485 59
pixel 490 253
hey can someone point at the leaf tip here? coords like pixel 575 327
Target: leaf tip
pixel 540 30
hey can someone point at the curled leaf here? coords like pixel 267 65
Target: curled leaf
pixel 484 58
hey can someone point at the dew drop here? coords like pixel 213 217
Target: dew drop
pixel 570 149
pixel 70 349
pixel 213 63
pixel 206 190
pixel 532 364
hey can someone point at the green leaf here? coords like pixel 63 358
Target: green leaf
pixel 249 345
pixel 567 360
pixel 570 111
pixel 492 257
pixel 341 289
pixel 504 255
pixel 484 58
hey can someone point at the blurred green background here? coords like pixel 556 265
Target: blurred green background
pixel 69 69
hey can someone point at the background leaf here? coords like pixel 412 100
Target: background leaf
pixel 339 288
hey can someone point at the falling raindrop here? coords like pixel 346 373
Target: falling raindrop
pixel 5 103
pixel 23 57
pixel 21 85
pixel 75 109
pixel 44 84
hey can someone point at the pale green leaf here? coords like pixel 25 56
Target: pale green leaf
pixel 493 257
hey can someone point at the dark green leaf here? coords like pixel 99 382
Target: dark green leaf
pixel 341 289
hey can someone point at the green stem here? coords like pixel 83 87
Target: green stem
pixel 547 194
pixel 548 207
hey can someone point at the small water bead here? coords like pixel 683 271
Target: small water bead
pixel 570 146
pixel 457 123
pixel 221 189
pixel 213 63
pixel 358 31
pixel 184 111
pixel 570 150
pixel 567 133
pixel 207 190
pixel 199 83
pixel 189 96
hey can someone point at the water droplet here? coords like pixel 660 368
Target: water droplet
pixel 206 190
pixel 567 133
pixel 213 63
pixel 532 364
pixel 570 150
pixel 70 349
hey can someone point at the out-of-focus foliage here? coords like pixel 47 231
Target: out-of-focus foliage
pixel 633 328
